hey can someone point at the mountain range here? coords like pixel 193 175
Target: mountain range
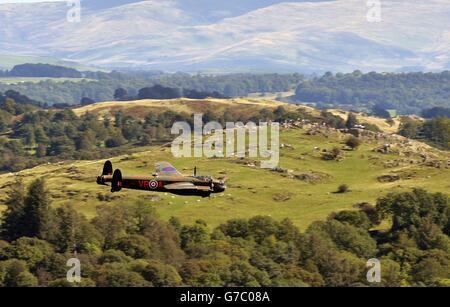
pixel 234 36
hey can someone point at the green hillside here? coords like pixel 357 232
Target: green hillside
pixel 303 189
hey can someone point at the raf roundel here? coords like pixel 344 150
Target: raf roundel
pixel 153 184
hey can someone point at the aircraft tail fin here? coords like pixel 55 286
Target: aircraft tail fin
pixel 107 169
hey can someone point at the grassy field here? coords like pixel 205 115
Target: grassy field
pixel 251 190
pixel 140 108
pixel 18 80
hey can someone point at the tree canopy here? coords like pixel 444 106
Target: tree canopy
pixel 130 246
pixel 407 93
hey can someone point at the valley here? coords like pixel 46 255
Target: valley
pixel 303 188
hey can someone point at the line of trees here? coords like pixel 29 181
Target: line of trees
pixel 408 93
pixel 105 85
pixel 129 246
pixel 158 91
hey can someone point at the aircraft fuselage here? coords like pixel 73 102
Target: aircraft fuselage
pixel 201 186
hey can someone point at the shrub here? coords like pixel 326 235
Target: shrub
pixel 343 188
pixel 353 142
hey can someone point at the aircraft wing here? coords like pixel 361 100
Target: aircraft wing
pixel 180 186
pixel 166 169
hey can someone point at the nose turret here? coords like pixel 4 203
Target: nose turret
pixel 219 186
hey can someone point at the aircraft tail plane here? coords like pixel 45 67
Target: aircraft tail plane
pixel 107 171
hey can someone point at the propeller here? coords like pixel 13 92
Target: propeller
pixel 219 185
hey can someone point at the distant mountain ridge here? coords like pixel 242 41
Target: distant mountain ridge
pixel 188 35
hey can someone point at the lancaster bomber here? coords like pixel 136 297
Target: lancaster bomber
pixel 166 179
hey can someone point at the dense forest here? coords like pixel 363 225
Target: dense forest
pixel 408 93
pixel 101 86
pixel 18 98
pixel 129 246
